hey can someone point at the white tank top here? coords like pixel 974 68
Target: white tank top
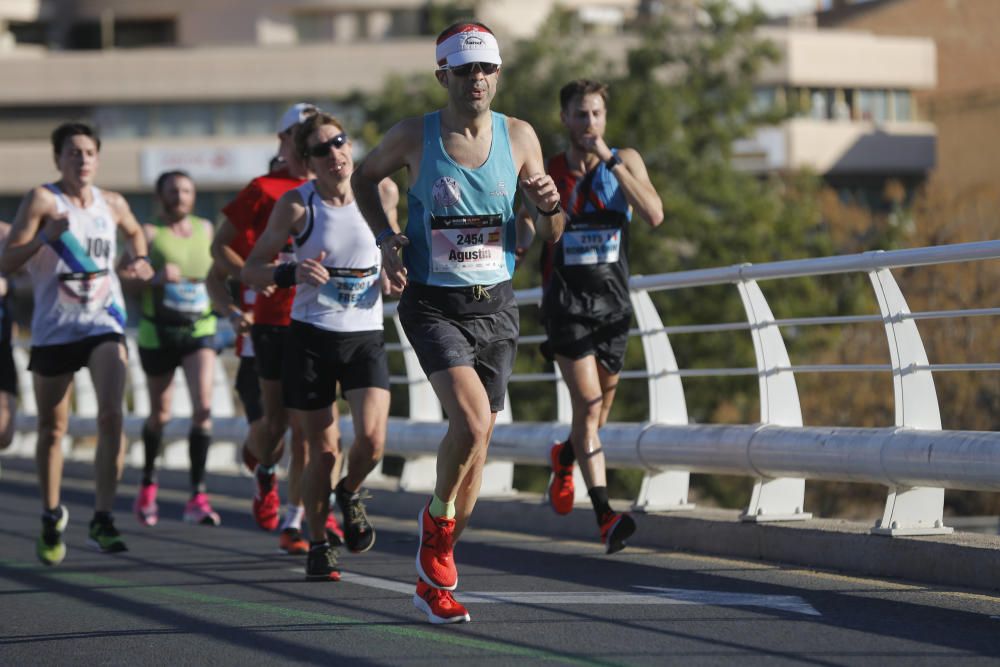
pixel 72 304
pixel 352 299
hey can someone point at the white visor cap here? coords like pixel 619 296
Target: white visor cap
pixel 471 45
pixel 295 114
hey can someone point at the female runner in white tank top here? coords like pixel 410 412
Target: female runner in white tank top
pixel 336 330
pixel 65 232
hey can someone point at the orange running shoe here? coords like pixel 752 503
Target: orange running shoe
pixel 439 605
pixel 291 541
pixel 615 529
pixel 435 554
pixel 266 502
pixel 561 491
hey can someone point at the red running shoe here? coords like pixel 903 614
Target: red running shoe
pixel 439 605
pixel 266 503
pixel 334 533
pixel 561 491
pixel 435 555
pixel 615 529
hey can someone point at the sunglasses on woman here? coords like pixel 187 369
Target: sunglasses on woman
pixel 323 149
pixel 467 69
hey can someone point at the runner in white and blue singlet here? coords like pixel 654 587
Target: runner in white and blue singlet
pixel 335 335
pixel 66 234
pixel 465 165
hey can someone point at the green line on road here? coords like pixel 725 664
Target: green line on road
pixel 441 637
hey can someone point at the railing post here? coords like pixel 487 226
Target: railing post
pixel 419 473
pixel 773 499
pixel 908 510
pixel 661 490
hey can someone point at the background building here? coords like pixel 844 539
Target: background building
pixel 199 84
pixel 964 104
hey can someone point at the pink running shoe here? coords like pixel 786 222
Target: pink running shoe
pixel 145 508
pixel 198 510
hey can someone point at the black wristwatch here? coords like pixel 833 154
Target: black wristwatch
pixel 612 162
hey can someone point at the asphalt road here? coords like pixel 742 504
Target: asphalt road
pixel 199 595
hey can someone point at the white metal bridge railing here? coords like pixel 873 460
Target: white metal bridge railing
pixel 915 459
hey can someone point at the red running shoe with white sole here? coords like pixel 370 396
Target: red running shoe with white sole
pixel 439 605
pixel 561 489
pixel 435 554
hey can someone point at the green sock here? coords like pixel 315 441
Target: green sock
pixel 441 508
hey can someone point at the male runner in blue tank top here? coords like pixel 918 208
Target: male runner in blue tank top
pixel 465 163
pixel 585 304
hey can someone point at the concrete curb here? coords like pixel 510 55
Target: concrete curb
pixel 961 559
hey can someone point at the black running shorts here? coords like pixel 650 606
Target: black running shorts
pixel 66 358
pixel 8 371
pixel 449 327
pixel 248 389
pixel 317 359
pixel 576 339
pixel 268 346
pixel 158 361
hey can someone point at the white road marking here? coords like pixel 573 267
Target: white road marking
pixel 655 595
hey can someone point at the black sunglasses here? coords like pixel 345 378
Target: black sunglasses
pixel 323 149
pixel 466 69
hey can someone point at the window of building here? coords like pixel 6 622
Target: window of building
pixel 873 105
pixel 122 121
pixel 902 102
pixel 313 27
pixel 246 118
pixel 183 120
pixel 131 33
pixel 29 32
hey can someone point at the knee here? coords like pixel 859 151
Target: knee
pixel 370 445
pixel 473 430
pixel 590 411
pixel 109 418
pixel 201 417
pixel 50 426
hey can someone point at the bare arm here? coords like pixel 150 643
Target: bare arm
pixel 525 223
pixel 288 212
pixel 222 252
pixel 222 299
pixel 137 267
pixel 396 151
pixel 537 186
pixel 638 190
pixel 36 222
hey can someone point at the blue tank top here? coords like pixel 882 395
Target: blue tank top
pixel 461 221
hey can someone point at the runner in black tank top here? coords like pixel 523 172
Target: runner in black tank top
pixel 585 304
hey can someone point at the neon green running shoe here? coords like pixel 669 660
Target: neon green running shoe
pixel 105 538
pixel 50 548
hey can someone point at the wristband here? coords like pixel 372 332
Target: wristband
pixel 549 214
pixel 284 274
pixel 383 235
pixel 145 258
pixel 612 162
